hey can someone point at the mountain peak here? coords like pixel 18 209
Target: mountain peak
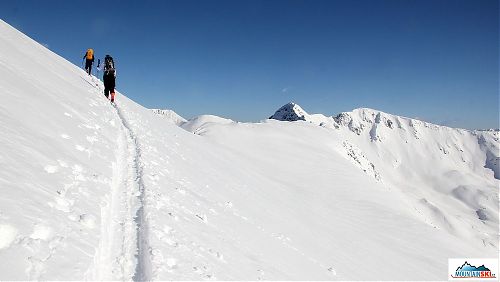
pixel 290 112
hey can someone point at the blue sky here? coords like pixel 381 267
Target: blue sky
pixel 435 60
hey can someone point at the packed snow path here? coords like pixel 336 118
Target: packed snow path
pixel 134 181
pixel 123 249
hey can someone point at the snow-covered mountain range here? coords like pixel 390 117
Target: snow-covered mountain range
pixel 377 126
pixel 102 192
pixel 410 154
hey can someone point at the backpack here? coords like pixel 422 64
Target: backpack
pixel 109 65
pixel 90 54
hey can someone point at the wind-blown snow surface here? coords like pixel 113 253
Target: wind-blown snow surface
pixel 92 191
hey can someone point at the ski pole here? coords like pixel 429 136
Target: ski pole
pixel 98 68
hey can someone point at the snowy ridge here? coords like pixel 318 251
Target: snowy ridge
pixel 90 191
pixel 170 115
pixel 377 126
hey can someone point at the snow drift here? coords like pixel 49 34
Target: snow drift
pixel 93 191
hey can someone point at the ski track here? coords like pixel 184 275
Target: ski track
pixel 124 252
pixel 143 265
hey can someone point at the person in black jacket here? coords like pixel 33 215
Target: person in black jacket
pixel 109 77
pixel 89 60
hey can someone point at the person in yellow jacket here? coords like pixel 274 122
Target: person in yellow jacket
pixel 89 60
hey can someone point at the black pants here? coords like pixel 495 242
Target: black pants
pixel 109 84
pixel 88 66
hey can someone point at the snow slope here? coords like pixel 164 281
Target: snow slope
pixel 64 192
pixel 92 191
